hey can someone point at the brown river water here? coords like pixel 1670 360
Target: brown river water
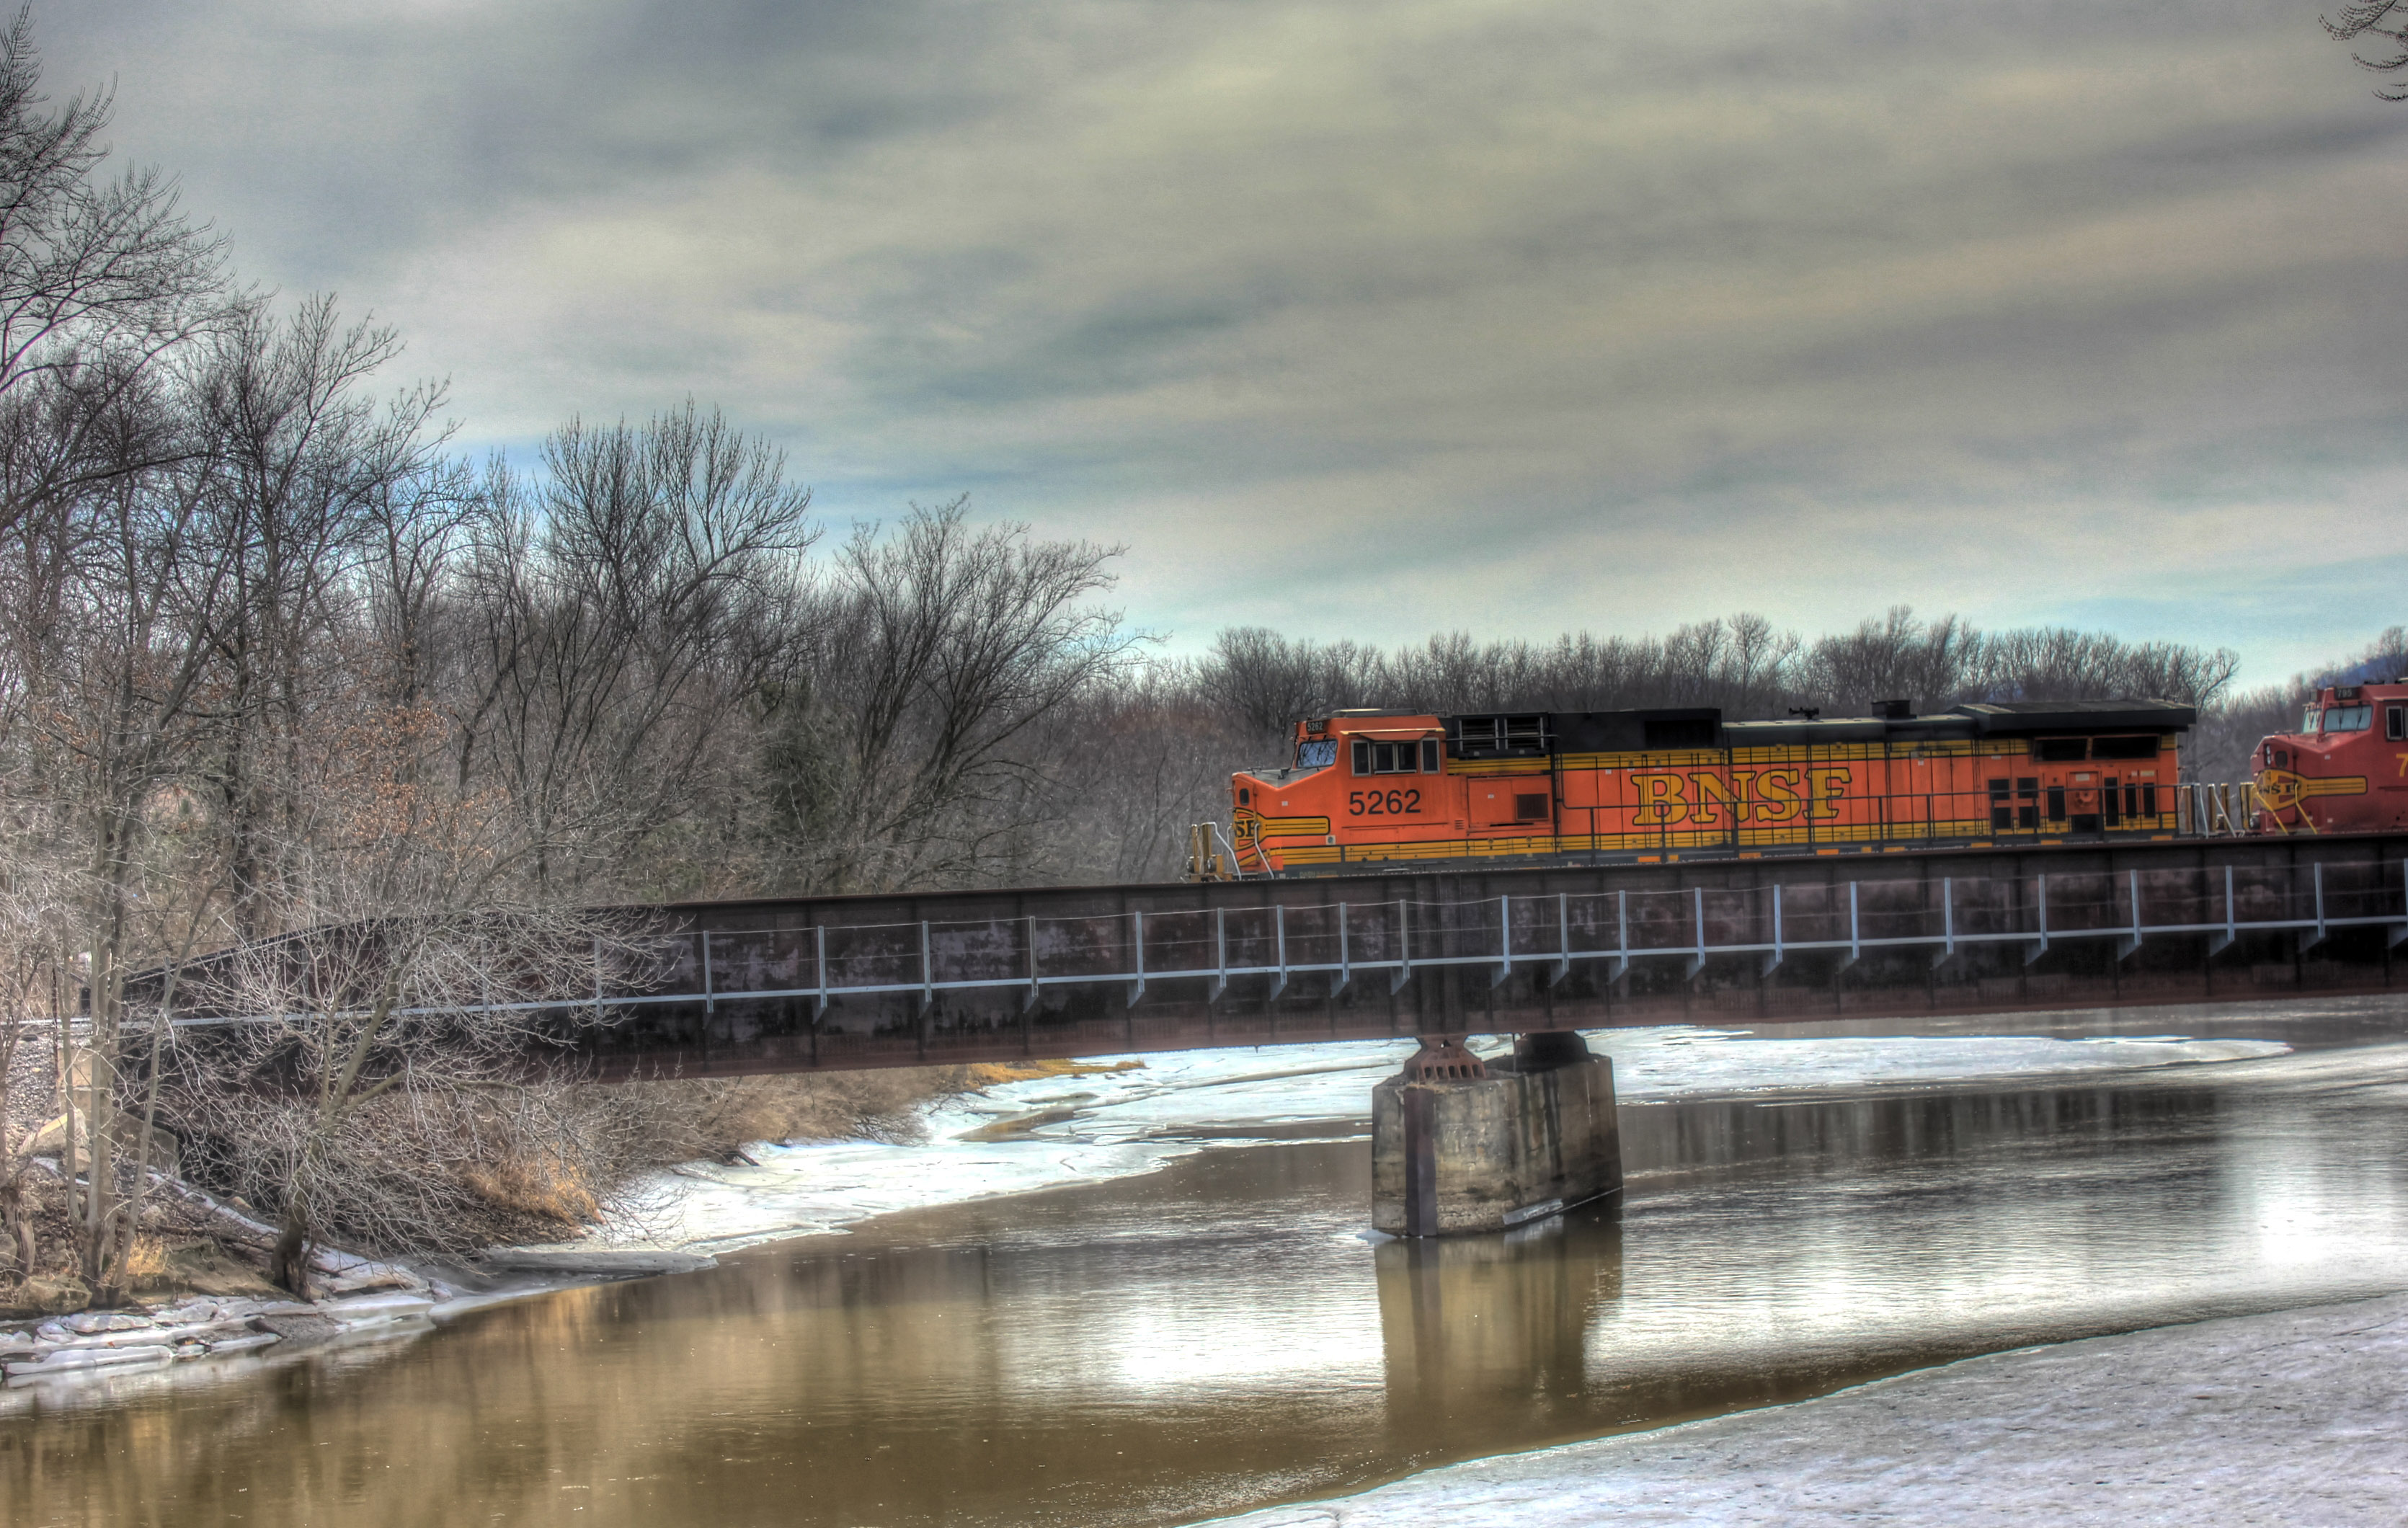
pixel 1223 1334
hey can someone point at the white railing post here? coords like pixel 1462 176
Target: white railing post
pixel 1697 913
pixel 1404 971
pixel 1345 956
pixel 1947 920
pixel 1563 937
pixel 710 997
pixel 2129 940
pixel 1220 954
pixel 1772 961
pixel 1279 941
pixel 819 973
pixel 1137 945
pixel 2039 946
pixel 928 974
pixel 1621 935
pixel 1504 941
pixel 1036 989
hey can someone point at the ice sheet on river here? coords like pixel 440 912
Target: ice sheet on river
pixel 1062 1131
pixel 2286 1418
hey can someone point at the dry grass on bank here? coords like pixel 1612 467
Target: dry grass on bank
pixel 716 1117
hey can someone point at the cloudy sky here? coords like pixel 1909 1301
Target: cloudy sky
pixel 1373 319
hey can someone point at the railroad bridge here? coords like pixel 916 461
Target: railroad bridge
pixel 849 982
pixel 840 983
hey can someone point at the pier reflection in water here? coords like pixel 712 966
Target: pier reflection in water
pixel 1222 1335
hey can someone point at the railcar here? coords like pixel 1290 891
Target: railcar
pixel 2346 770
pixel 1402 789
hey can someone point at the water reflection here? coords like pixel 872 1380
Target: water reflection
pixel 1222 1335
pixel 1484 1340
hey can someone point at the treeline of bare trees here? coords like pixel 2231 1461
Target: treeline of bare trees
pixel 1742 665
pixel 1255 681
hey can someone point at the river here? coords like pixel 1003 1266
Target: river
pixel 1221 1333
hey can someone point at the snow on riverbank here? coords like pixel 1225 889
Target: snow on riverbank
pixel 1022 1137
pixel 2288 1418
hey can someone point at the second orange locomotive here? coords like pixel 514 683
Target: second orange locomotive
pixel 1600 787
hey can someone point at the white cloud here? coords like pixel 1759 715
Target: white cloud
pixel 1505 317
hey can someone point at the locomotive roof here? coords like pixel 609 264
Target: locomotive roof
pixel 1689 727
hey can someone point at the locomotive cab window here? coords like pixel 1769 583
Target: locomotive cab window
pixel 2348 717
pixel 1316 753
pixel 2395 723
pixel 1406 758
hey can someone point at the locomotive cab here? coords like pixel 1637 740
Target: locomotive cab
pixel 2346 770
pixel 1378 776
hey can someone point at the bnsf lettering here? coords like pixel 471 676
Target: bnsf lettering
pixel 1701 799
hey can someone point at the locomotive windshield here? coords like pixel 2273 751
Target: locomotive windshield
pixel 2348 717
pixel 1316 753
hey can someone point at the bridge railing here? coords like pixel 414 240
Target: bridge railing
pixel 1367 948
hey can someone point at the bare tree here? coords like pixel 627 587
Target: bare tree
pixel 2385 19
pixel 1899 656
pixel 941 651
pixel 307 464
pixel 36 921
pixel 395 1033
pixel 627 610
pixel 99 278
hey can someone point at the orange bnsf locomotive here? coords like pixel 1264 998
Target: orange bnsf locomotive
pixel 1401 789
pixel 2346 770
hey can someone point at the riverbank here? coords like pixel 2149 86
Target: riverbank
pixel 1014 1137
pixel 2292 1417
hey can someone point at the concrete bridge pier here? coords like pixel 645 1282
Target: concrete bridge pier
pixel 1457 1146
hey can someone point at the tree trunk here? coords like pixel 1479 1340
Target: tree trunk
pixel 18 1221
pixel 289 1266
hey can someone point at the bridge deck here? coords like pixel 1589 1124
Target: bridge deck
pixel 844 983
